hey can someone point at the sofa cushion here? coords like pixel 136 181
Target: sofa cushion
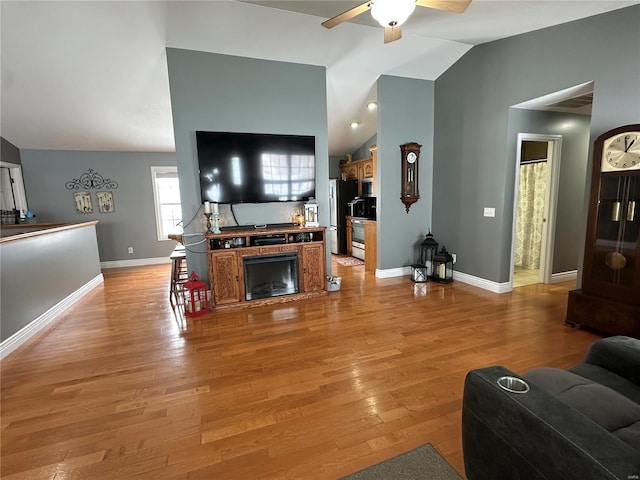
pixel 601 375
pixel 606 407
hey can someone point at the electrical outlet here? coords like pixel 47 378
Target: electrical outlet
pixel 129 249
pixel 454 257
pixel 489 212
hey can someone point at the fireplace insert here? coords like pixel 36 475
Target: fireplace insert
pixel 269 276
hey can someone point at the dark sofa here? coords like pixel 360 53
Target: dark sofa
pixel 581 423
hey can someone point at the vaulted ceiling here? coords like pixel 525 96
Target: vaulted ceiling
pixel 85 75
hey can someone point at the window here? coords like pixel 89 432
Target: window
pixel 166 196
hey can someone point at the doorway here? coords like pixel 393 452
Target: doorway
pixel 12 193
pixel 535 202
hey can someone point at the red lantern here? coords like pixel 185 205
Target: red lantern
pixel 194 293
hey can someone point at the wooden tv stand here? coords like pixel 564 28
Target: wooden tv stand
pixel 226 252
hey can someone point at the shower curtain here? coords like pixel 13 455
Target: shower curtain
pixel 531 199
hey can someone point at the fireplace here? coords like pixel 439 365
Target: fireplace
pixel 270 276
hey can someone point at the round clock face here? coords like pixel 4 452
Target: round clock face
pixel 412 157
pixel 621 152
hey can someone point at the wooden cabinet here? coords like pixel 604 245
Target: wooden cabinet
pixel 312 267
pixel 370 246
pixel 350 172
pixel 225 277
pixel 361 169
pixel 227 252
pixel 367 169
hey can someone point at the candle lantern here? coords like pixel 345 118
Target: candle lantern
pixel 443 266
pixel 311 213
pixel 194 295
pixel 418 273
pixel 428 250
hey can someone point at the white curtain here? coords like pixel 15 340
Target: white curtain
pixel 531 197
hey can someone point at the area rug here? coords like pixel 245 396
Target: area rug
pixel 423 463
pixel 349 261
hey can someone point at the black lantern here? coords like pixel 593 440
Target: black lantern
pixel 443 266
pixel 428 250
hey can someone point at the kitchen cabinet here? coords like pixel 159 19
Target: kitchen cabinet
pixel 364 168
pixel 349 236
pixel 370 246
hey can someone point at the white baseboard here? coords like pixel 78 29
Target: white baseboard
pixel 564 276
pixel 461 277
pixel 138 262
pixel 485 284
pixel 393 272
pixel 28 331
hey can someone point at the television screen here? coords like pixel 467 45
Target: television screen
pixel 255 168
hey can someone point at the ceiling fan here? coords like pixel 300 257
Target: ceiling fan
pixel 393 13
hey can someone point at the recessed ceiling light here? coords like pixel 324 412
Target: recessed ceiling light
pixel 372 105
pixel 354 124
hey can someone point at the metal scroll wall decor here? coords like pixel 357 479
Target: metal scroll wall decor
pixel 91 179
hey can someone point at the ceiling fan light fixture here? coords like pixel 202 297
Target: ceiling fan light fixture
pixel 392 13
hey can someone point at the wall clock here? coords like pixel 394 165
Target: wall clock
pixel 621 152
pixel 410 156
pixel 609 299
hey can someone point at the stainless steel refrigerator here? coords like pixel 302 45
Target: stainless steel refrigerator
pixel 340 192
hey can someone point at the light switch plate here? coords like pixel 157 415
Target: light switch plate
pixel 489 212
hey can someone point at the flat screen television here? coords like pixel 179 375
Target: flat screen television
pixel 255 167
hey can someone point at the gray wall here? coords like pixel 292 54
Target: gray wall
pixel 234 94
pixel 574 130
pixel 40 272
pixel 133 223
pixel 334 165
pixel 405 114
pixel 473 167
pixel 9 152
pixel 363 151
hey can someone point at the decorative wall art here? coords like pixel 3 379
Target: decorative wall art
pixel 105 202
pixel 83 202
pixel 91 180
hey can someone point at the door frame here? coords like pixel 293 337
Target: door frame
pixel 551 202
pixel 20 196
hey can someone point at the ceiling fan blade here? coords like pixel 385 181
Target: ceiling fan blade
pixel 391 34
pixel 455 6
pixel 348 15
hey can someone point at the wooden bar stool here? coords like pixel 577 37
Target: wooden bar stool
pixel 179 274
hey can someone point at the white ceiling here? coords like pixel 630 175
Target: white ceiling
pixel 85 75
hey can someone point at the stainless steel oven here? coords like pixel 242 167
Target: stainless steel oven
pixel 357 238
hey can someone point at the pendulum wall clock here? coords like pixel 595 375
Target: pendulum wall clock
pixel 609 299
pixel 410 156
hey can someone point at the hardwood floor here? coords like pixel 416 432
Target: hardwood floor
pixel 120 388
pixel 527 276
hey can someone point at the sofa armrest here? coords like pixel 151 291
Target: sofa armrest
pixel 534 436
pixel 619 354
